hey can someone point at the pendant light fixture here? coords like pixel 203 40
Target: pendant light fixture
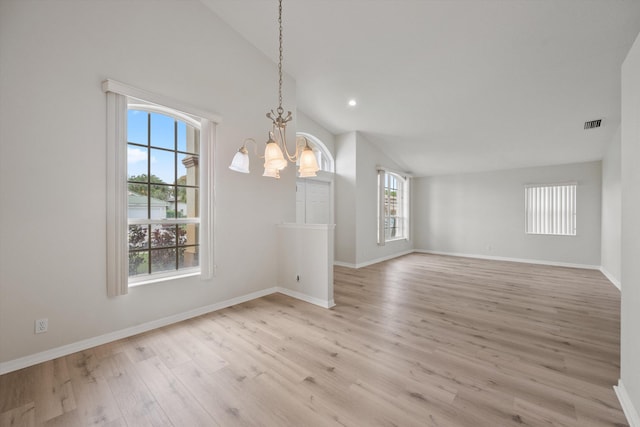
pixel 276 145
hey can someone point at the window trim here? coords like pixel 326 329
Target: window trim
pixel 117 218
pixel 406 204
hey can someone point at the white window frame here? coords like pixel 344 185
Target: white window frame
pixel 404 181
pixel 551 209
pixel 118 95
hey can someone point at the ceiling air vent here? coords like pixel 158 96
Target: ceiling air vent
pixel 593 124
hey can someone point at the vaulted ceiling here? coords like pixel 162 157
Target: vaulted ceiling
pixel 454 86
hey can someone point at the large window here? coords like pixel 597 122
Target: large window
pixel 163 155
pixel 393 216
pixel 551 209
pixel 159 189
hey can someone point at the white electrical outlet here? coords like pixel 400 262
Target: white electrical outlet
pixel 42 325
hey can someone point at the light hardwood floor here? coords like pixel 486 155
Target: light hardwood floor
pixel 422 340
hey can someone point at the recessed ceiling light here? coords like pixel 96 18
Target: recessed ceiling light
pixel 352 103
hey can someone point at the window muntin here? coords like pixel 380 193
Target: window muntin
pixel 163 157
pixel 393 214
pixel 551 209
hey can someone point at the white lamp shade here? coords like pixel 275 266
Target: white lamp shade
pixel 240 162
pixel 308 163
pixel 271 173
pixel 273 157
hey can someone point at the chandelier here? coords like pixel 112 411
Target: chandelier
pixel 276 146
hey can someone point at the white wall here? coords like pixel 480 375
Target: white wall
pixel 345 237
pixel 482 214
pixel 357 202
pixel 369 157
pixel 630 153
pixel 611 211
pixel 306 124
pixel 53 58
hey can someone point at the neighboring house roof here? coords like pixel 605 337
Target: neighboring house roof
pixel 136 199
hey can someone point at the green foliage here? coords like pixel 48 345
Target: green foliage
pixel 172 214
pixel 182 192
pixel 139 185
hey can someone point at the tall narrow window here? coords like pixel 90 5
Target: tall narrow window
pixel 393 216
pixel 163 157
pixel 159 188
pixel 551 209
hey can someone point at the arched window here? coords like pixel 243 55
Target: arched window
pixel 323 155
pixel 159 181
pixel 393 200
pixel 163 158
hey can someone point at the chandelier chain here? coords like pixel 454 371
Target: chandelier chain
pixel 280 109
pixel 276 146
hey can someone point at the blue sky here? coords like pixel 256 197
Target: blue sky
pixel 162 136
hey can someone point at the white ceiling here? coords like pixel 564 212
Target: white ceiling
pixel 454 86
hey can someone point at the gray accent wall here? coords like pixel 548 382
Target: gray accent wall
pixel 483 214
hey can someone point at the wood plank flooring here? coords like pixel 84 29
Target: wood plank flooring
pixel 421 340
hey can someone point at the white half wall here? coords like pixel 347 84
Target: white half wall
pixel 306 272
pixel 612 212
pixel 53 58
pixel 630 278
pixel 483 214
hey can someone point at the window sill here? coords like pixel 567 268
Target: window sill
pixel 550 234
pixel 397 239
pixel 149 280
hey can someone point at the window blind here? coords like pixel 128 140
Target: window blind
pixel 551 209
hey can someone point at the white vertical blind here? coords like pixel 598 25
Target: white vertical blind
pixel 551 209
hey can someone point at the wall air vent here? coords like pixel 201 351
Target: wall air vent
pixel 593 124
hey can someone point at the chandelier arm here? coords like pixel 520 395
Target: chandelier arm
pixel 281 131
pixel 301 143
pixel 255 147
pixel 292 158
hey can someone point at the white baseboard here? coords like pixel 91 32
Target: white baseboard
pixel 44 356
pixel 522 260
pixel 312 300
pixel 33 359
pixel 373 261
pixel 627 405
pixel 344 264
pixel 611 278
